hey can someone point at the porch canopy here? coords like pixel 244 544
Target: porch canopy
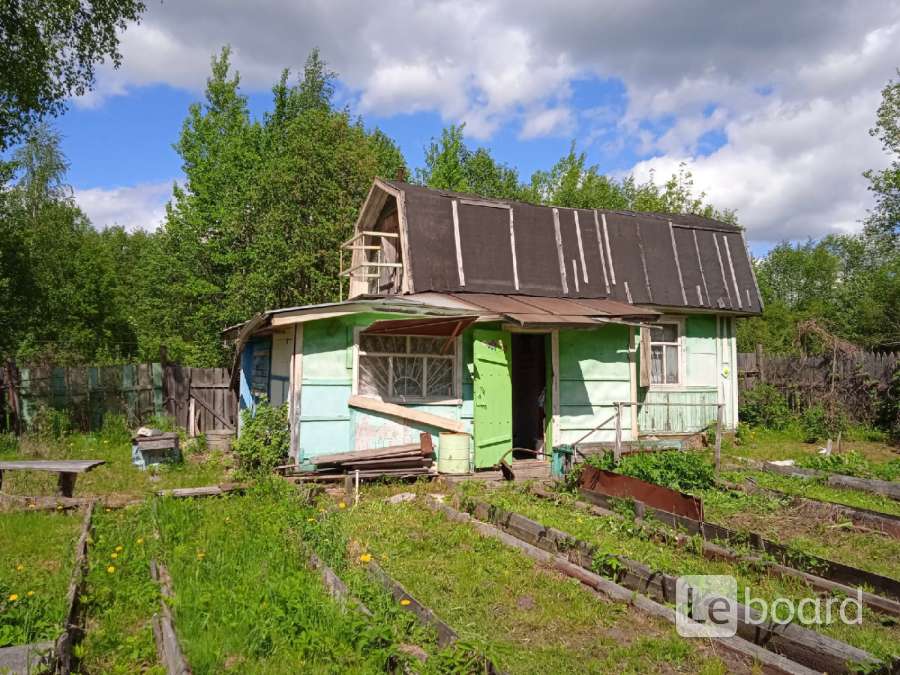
pixel 539 312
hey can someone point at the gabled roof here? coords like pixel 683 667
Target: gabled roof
pixel 459 243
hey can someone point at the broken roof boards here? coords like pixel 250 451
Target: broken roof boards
pixel 459 243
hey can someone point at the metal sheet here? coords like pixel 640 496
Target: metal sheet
pixel 656 496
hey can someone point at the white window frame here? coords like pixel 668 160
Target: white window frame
pixel 455 399
pixel 678 322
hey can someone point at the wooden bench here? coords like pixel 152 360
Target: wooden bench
pixel 68 470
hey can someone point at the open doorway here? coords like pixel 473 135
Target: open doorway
pixel 529 391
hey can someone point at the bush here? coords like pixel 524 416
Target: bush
pixel 9 444
pixel 265 437
pixel 50 423
pixel 823 420
pixel 764 406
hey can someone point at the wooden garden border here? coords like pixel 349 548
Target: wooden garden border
pixel 73 630
pixel 167 647
pixel 795 642
pixel 886 488
pixel 771 661
pixel 884 523
pixel 825 569
pixel 716 552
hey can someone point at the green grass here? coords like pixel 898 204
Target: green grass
pixel 527 618
pixel 245 597
pixel 36 555
pixel 816 489
pixel 118 478
pixel 615 536
pixel 766 444
pixel 120 597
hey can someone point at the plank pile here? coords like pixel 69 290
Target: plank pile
pixel 412 459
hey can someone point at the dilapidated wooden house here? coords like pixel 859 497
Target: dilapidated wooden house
pixel 525 326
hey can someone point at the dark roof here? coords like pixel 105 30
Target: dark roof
pixel 465 243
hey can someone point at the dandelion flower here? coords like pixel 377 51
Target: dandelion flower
pixel 111 569
pixel 310 520
pixel 227 519
pixel 119 549
pixel 200 555
pixel 342 505
pixel 113 555
pixel 20 567
pixel 365 557
pixel 13 597
pixel 30 594
pixel 140 541
pixel 405 602
pixel 59 507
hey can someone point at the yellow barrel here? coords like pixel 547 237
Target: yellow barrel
pixel 453 453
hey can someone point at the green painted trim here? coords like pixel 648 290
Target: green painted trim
pixel 338 382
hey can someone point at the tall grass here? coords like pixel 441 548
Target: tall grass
pixel 245 598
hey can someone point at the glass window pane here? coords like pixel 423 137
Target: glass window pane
pixel 656 365
pixel 382 344
pixel 669 333
pixel 373 375
pixel 671 364
pixel 424 345
pixel 440 378
pixel 408 376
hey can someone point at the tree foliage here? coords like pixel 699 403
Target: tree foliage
pixel 48 52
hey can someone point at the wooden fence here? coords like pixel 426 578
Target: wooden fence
pixel 198 399
pixel 856 381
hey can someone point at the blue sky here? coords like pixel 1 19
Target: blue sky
pixel 769 105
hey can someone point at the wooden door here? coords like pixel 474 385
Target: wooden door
pixel 493 396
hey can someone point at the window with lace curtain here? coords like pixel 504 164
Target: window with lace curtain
pixel 665 354
pixel 406 368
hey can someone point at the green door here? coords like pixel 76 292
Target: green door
pixel 493 396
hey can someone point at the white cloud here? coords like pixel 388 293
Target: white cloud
pixel 135 207
pixel 794 154
pixel 550 121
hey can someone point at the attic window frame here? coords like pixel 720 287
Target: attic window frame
pixel 456 382
pixel 679 324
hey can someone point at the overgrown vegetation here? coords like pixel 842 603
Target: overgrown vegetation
pixel 685 471
pixel 764 406
pixel 265 437
pixel 853 463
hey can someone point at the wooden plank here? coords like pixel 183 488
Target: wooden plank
pixel 445 634
pixel 772 662
pixel 336 588
pixel 407 414
pixel 72 629
pixel 167 647
pixel 53 466
pixel 206 491
pixel 883 487
pixel 371 453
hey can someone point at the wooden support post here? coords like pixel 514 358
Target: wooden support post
pixel 618 451
pixel 66 484
pixel 720 407
pixel 760 369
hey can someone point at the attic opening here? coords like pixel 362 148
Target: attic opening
pixel 529 392
pixel 375 251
